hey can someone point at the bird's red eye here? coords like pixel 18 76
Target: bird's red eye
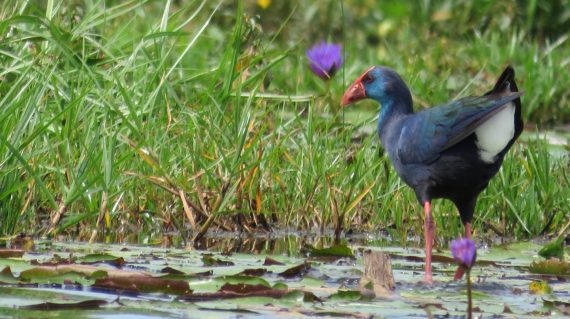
pixel 367 78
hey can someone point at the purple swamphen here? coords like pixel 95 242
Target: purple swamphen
pixel 449 151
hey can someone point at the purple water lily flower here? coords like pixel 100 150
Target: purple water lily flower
pixel 464 252
pixel 325 59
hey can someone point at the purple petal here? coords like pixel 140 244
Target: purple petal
pixel 325 59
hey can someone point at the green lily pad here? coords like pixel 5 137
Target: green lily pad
pixel 102 258
pixel 6 276
pixel 211 261
pixel 41 275
pixel 239 279
pixel 16 265
pixel 280 285
pixel 333 251
pixel 347 295
pixel 550 267
pixel 56 260
pixel 144 284
pixel 559 305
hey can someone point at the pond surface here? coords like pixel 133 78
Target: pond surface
pixel 67 279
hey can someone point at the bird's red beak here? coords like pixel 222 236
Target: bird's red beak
pixel 355 91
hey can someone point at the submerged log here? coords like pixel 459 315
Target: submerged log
pixel 378 280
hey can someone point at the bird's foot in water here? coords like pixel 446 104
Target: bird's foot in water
pixel 459 273
pixel 427 279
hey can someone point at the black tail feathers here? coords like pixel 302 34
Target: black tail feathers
pixel 506 80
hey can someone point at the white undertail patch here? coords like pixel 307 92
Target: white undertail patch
pixel 494 135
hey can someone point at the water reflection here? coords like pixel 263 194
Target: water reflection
pixel 279 243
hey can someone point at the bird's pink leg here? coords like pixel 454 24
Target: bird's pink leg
pixel 429 228
pixel 460 271
pixel 468 230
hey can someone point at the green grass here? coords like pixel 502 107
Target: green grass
pixel 149 117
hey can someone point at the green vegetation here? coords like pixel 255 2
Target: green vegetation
pixel 148 117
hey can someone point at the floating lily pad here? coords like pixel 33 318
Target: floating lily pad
pixel 49 306
pixel 256 272
pixel 550 267
pixel 235 310
pixel 240 279
pixel 102 258
pixel 296 271
pixel 231 291
pixel 56 260
pixel 348 295
pixel 144 284
pixel 6 276
pixel 58 276
pixel 16 265
pixel 280 285
pixel 333 251
pixel 301 296
pixel 560 305
pixel 11 253
pixel 211 261
pixel 270 261
pixel 39 273
pixel 82 273
pixel 172 271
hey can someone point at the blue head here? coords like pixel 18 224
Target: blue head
pixel 381 84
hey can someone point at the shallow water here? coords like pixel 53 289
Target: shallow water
pixel 501 278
